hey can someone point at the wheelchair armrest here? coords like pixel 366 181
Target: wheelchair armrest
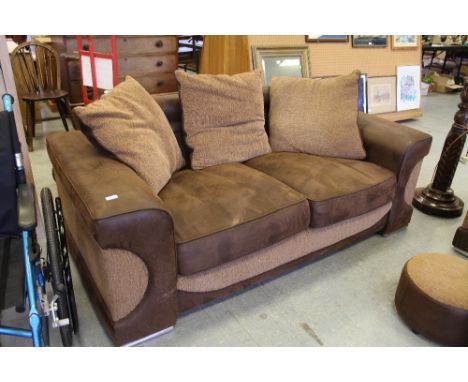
pixel 26 207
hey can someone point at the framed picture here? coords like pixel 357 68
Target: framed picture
pixel 401 41
pixel 362 102
pixel 369 41
pixel 281 61
pixel 408 87
pixel 381 94
pixel 326 38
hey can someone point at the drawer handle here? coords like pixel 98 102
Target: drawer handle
pixel 160 83
pixel 159 63
pixel 159 44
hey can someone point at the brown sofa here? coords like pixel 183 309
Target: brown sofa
pixel 209 233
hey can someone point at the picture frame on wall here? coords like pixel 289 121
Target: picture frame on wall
pixel 404 41
pixel 281 61
pixel 408 87
pixel 326 38
pixel 381 94
pixel 369 41
pixel 362 101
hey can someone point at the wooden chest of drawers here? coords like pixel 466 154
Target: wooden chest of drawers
pixel 151 60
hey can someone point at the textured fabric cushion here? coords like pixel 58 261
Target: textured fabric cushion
pixel 316 116
pixel 223 117
pixel 227 211
pixel 130 124
pixel 337 189
pixel 443 277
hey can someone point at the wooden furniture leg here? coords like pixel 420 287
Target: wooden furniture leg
pixel 33 118
pixel 61 108
pixel 29 123
pixel 460 240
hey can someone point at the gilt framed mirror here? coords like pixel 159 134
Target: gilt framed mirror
pixel 281 61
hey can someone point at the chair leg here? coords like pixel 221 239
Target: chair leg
pixel 29 124
pixel 61 109
pixel 33 118
pixel 68 109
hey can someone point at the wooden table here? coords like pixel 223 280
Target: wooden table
pixel 451 51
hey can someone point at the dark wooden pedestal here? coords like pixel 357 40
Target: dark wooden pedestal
pixel 434 202
pixel 438 198
pixel 460 241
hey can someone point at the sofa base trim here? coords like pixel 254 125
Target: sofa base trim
pixel 150 337
pixel 190 300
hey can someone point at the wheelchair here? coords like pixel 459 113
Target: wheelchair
pixel 18 224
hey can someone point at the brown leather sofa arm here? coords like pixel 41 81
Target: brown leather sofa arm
pixel 120 211
pixel 400 149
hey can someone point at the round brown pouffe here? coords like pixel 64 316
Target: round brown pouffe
pixel 432 297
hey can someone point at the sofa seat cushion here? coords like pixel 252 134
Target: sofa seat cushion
pixel 337 189
pixel 227 211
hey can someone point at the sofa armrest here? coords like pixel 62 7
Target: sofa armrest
pixel 400 149
pixel 120 211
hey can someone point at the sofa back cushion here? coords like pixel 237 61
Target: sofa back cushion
pixel 170 104
pixel 128 123
pixel 223 117
pixel 316 116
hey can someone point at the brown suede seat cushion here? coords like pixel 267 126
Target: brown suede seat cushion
pixel 337 189
pixel 227 211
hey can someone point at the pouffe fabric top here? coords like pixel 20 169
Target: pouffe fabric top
pixel 443 277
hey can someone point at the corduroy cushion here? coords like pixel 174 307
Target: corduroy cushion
pixel 129 123
pixel 316 116
pixel 223 117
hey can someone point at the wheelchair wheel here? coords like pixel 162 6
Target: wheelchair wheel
pixel 66 266
pixel 55 265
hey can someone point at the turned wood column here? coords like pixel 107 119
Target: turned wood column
pixel 438 198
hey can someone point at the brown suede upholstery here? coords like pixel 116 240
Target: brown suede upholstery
pixel 136 221
pixel 141 223
pixel 227 211
pixel 337 189
pixel 398 148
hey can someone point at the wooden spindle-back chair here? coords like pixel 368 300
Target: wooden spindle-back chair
pixel 37 73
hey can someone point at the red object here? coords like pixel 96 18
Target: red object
pixel 92 57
